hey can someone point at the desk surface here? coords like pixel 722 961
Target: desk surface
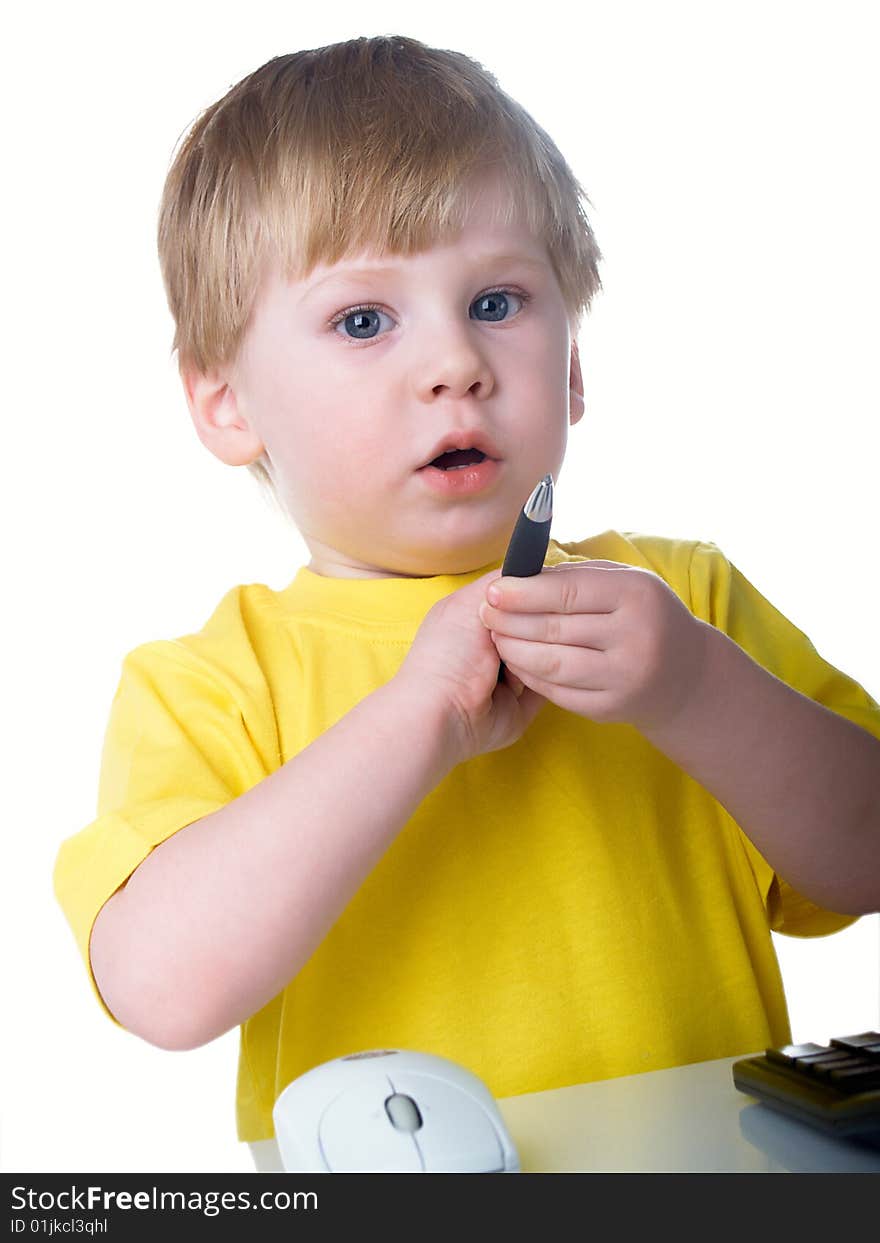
pixel 686 1120
pixel 690 1119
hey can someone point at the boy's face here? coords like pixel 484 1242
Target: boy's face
pixel 351 405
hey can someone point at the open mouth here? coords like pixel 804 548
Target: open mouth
pixel 459 473
pixel 458 459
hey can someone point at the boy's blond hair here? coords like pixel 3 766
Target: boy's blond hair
pixel 373 143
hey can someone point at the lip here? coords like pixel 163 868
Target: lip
pixel 466 481
pixel 464 439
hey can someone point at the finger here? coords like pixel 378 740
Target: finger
pixel 587 703
pixel 529 704
pixel 587 587
pixel 580 630
pixel 554 664
pixel 514 683
pixel 484 581
pixel 525 706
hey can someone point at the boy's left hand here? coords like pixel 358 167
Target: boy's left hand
pixel 611 642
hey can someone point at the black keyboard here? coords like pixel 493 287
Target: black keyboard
pixel 835 1087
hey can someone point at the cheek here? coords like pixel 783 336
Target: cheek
pixel 329 457
pixel 542 364
pixel 541 381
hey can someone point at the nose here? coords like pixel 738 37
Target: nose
pixel 453 364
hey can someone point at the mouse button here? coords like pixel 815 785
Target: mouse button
pixel 457 1135
pixel 403 1112
pixel 356 1135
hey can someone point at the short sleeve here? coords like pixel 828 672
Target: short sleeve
pixel 721 595
pixel 178 746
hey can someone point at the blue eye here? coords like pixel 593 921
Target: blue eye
pixel 363 323
pixel 362 320
pixel 495 304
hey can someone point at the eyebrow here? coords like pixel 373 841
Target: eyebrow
pixel 380 270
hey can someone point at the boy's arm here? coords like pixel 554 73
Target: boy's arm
pixel 801 781
pixel 219 918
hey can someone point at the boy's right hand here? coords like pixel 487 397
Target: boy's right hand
pixel 453 666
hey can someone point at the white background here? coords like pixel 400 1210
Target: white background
pixel 729 151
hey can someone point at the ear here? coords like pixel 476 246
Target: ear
pixel 575 386
pixel 219 422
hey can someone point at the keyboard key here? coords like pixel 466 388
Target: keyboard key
pixel 855 1078
pixel 842 1061
pixel 868 1042
pixel 821 1064
pixel 788 1054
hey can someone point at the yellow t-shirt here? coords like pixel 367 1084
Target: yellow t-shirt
pixel 571 908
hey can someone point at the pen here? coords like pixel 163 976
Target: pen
pixel 528 543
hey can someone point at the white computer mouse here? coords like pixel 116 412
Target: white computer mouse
pixel 391 1111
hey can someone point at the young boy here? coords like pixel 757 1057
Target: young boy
pixel 320 817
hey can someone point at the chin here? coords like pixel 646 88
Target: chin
pixel 429 563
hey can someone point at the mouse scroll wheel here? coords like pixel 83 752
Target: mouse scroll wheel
pixel 403 1112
